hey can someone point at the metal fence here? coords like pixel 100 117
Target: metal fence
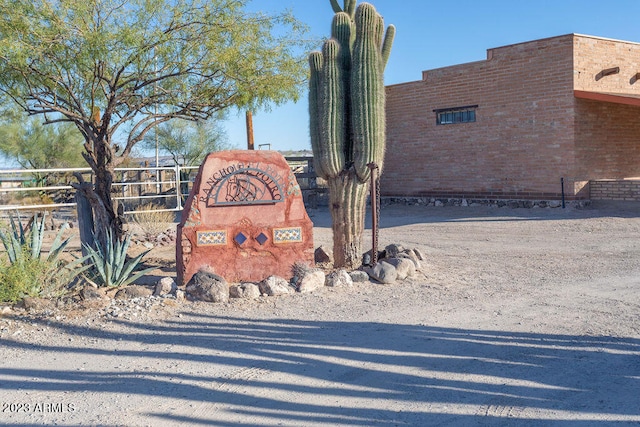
pixel 166 187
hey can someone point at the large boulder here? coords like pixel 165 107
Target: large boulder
pixel 383 272
pixel 245 290
pixel 274 286
pixel 311 280
pixel 359 276
pixel 340 279
pixel 404 267
pixel 208 286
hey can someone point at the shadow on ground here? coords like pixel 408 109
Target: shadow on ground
pixel 269 372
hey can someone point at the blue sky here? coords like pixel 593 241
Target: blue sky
pixel 439 33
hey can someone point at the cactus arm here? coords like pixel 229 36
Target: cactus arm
pixel 336 7
pixel 333 127
pixel 387 44
pixel 315 111
pixel 350 7
pixel 367 85
pixel 343 31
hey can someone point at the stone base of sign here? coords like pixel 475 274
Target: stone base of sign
pixel 244 218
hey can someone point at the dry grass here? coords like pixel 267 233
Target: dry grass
pixel 152 220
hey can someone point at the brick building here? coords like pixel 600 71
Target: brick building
pixel 513 125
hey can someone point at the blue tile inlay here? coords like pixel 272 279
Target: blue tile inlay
pixel 240 238
pixel 261 238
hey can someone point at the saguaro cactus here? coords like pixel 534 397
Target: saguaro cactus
pixel 347 117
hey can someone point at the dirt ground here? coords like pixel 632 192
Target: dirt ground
pixel 521 317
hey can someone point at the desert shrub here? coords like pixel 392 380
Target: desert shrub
pixel 25 272
pixel 110 267
pixel 34 278
pixel 152 220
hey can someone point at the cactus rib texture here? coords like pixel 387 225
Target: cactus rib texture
pixel 347 96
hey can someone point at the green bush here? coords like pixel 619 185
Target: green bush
pixel 25 272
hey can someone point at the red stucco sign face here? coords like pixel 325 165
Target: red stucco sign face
pixel 244 218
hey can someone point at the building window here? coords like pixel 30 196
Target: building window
pixel 450 116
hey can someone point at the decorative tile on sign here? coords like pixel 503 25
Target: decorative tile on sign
pixel 287 235
pixel 212 238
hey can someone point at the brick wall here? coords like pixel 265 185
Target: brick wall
pixel 628 190
pixel 594 54
pixel 607 134
pixel 521 144
pixel 530 131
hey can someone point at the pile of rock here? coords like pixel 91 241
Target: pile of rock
pixel 396 263
pixel 470 202
pixel 150 241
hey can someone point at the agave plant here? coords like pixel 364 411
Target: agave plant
pixel 110 266
pixel 30 274
pixel 18 239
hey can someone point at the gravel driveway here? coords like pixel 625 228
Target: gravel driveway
pixel 521 317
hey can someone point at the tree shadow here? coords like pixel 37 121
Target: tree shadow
pixel 292 372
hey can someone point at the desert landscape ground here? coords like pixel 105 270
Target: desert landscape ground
pixel 520 317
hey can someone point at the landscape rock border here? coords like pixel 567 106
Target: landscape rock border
pixel 396 264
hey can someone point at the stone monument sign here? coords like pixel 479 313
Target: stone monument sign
pixel 244 218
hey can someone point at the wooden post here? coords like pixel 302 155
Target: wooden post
pixel 250 145
pixel 85 219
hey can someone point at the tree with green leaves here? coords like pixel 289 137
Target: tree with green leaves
pixel 347 118
pixel 116 69
pixel 34 146
pixel 187 142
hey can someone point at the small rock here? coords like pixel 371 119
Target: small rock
pixel 180 295
pixel 165 286
pixel 323 255
pixel 133 291
pixel 209 287
pixel 245 290
pixel 383 272
pixel 340 278
pixel 35 303
pixel 92 293
pixel 274 285
pixel 393 250
pixel 366 258
pixel 311 281
pixel 359 276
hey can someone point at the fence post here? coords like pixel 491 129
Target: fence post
pixel 85 219
pixel 178 187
